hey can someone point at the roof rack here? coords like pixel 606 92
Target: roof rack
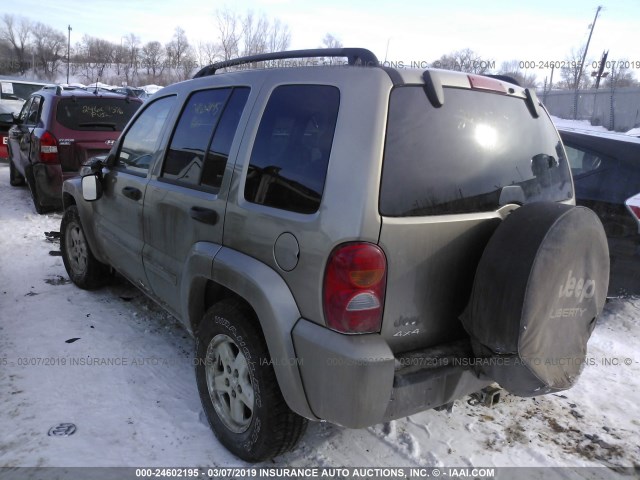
pixel 355 56
pixel 59 88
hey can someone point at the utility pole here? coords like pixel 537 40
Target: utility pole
pixel 68 52
pixel 584 55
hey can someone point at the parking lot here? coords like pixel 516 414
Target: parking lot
pixel 119 368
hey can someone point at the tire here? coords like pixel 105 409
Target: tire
pixel 244 405
pixel 539 288
pixel 81 265
pixel 15 179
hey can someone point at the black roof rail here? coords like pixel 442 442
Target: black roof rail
pixel 355 56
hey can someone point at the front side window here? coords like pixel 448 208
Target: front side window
pixel 34 111
pixel 200 145
pixel 25 111
pixel 291 152
pixel 192 135
pixel 143 137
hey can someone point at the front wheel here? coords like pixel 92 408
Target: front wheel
pixel 83 268
pixel 238 387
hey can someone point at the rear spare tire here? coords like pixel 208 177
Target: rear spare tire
pixel 539 287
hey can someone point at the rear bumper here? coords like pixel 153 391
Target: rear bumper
pixel 355 380
pixel 48 183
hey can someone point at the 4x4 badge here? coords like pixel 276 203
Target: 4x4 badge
pixel 109 142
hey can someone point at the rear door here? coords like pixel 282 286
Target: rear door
pixel 186 202
pixel 118 213
pixel 449 174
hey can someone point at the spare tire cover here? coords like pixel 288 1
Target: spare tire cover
pixel 539 287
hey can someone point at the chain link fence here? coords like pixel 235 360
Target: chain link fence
pixel 617 109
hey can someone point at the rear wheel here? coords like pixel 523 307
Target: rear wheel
pixel 83 268
pixel 15 179
pixel 31 182
pixel 238 387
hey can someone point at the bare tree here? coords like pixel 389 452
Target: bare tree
pixel 153 59
pixel 254 34
pixel 209 53
pixel 50 45
pixel 512 69
pixel 570 71
pixel 465 60
pixel 16 32
pixel 249 35
pixel 279 37
pixel 331 41
pixel 187 64
pixel 132 57
pixel 620 76
pixel 177 48
pixel 95 54
pixel 119 57
pixel 229 29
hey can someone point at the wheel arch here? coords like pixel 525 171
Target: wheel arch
pixel 214 273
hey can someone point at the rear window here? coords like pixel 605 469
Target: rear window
pixel 99 113
pixel 475 153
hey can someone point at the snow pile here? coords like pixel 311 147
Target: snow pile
pixel 577 124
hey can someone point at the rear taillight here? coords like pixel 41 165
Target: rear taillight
pixel 354 286
pixel 48 148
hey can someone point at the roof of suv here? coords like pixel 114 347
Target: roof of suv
pixel 434 79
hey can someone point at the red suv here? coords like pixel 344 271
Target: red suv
pixel 56 131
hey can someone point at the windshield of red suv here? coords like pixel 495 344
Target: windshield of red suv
pixel 99 113
pixel 476 152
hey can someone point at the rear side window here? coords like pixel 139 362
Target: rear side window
pixel 475 153
pixel 291 152
pixel 201 142
pixel 99 113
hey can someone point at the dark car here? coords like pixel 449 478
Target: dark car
pixel 606 172
pixel 131 92
pixel 56 131
pixel 13 94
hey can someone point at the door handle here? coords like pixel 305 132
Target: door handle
pixel 204 215
pixel 132 193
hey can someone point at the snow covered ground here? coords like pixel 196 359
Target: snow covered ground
pixel 143 409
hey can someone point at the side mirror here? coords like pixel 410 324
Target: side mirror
pixel 91 188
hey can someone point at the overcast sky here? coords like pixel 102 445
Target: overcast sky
pixel 543 30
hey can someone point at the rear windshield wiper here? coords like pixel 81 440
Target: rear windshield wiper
pixel 98 124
